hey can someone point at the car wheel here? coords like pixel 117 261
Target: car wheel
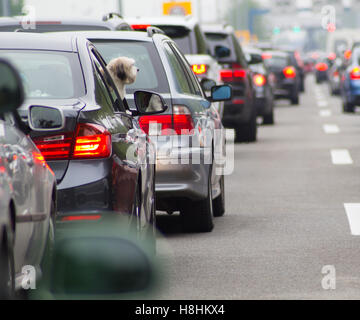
pixel 348 107
pixel 295 99
pixel 197 216
pixel 269 118
pixel 247 132
pixel 219 202
pixel 7 273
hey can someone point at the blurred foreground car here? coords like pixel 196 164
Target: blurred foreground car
pixel 350 86
pixel 287 80
pixel 27 192
pixel 263 84
pixel 185 131
pixel 240 113
pixel 101 158
pixel 97 256
pixel 20 24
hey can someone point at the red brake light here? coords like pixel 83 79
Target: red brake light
pixel 266 56
pixel 332 56
pixel 142 27
pixel 336 74
pixel 82 218
pixel 347 54
pixel 91 142
pixel 200 69
pixel 179 123
pixel 289 72
pixel 259 80
pixel 229 75
pixel 355 73
pixel 321 66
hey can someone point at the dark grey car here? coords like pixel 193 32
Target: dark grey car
pixel 27 192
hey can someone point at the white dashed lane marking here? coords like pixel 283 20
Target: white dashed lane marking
pixel 331 128
pixel 353 214
pixel 325 113
pixel 322 104
pixel 341 157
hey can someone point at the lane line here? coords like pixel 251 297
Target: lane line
pixel 341 157
pixel 353 214
pixel 325 113
pixel 331 128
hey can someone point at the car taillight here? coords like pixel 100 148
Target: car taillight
pixel 348 54
pixel 232 75
pixel 91 141
pixel 321 66
pixel 140 27
pixel 266 56
pixel 55 147
pixel 259 80
pixel 289 72
pixel 179 123
pixel 355 73
pixel 336 74
pixel 200 69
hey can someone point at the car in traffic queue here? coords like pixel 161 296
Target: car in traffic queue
pixel 321 71
pixel 263 84
pixel 334 76
pixel 100 157
pixel 111 21
pixel 287 80
pixel 240 113
pixel 27 193
pixel 188 136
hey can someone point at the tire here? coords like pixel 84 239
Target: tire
pixel 7 272
pixel 151 232
pixel 348 107
pixel 247 132
pixel 197 216
pixel 269 118
pixel 295 99
pixel 219 202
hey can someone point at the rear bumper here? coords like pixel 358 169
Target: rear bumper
pixel 285 89
pixel 237 114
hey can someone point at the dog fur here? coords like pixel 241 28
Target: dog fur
pixel 123 71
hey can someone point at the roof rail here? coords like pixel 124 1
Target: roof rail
pixel 111 15
pixel 153 30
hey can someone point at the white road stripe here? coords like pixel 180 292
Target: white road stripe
pixel 341 157
pixel 325 113
pixel 353 214
pixel 230 135
pixel 331 128
pixel 322 104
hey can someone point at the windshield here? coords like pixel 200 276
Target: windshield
pixel 277 62
pixel 47 74
pixel 151 74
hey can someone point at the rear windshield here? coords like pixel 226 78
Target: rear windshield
pixel 221 39
pixel 151 75
pixel 181 35
pixel 48 74
pixel 41 28
pixel 277 62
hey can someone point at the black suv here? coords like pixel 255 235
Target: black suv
pixel 240 113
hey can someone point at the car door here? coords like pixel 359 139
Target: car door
pixel 19 167
pixel 119 123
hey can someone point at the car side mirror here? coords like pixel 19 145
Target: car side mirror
pixel 207 84
pixel 149 103
pixel 43 118
pixel 221 93
pixel 222 52
pixel 11 88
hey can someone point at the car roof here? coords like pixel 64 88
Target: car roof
pixel 36 41
pixel 4 21
pixel 217 28
pixel 252 50
pixel 185 21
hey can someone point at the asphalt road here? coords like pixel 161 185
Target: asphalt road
pixel 285 217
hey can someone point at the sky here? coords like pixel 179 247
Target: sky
pixel 207 10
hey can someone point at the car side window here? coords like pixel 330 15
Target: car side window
pixel 105 84
pixel 196 89
pixel 181 80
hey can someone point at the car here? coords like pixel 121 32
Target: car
pixel 334 76
pixel 101 158
pixel 188 130
pixel 188 35
pixel 20 24
pixel 263 84
pixel 287 80
pixel 350 82
pixel 27 192
pixel 240 113
pixel 321 71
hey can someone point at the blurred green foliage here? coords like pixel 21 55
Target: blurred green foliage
pixel 15 7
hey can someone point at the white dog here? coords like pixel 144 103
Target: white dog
pixel 123 72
